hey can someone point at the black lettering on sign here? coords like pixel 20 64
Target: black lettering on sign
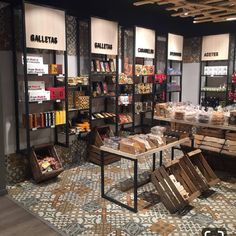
pixel 145 50
pixel 211 54
pixel 176 54
pixel 103 46
pixel 43 39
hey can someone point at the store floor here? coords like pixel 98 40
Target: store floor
pixel 14 220
pixel 72 205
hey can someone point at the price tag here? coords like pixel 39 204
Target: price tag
pixel 40 74
pixel 58 100
pixel 53 126
pixel 34 129
pixel 40 102
pixel 60 75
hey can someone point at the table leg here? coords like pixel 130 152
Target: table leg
pixel 111 199
pixel 172 153
pixel 161 154
pixel 153 161
pixel 135 185
pixel 102 174
pixel 192 143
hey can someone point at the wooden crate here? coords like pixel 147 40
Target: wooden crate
pixel 95 156
pixel 99 132
pixel 230 135
pixel 184 173
pixel 217 133
pixel 190 170
pixel 180 169
pixel 212 144
pixel 229 148
pixel 203 168
pixel 44 149
pixel 169 194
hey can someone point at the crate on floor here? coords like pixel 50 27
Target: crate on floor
pixel 174 186
pixel 95 156
pixel 45 162
pixel 203 167
pixel 170 196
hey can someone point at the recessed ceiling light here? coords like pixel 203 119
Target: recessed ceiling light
pixel 231 18
pixel 186 13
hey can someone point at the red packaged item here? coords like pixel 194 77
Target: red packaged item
pixel 57 93
pixel 234 78
pixel 159 78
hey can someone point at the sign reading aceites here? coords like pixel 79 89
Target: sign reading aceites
pixel 145 42
pixel 215 47
pixel 104 36
pixel 175 47
pixel 45 28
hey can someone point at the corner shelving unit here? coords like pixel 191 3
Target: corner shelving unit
pixel 215 86
pixel 41 132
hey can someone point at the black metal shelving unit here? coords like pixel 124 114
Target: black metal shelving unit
pixel 232 82
pixel 174 71
pixel 215 88
pixel 24 107
pixel 127 52
pixel 146 117
pixel 161 69
pixel 109 102
pixel 174 79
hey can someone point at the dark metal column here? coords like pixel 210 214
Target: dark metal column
pixel 2 154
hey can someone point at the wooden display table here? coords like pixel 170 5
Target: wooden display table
pixel 197 124
pixel 134 158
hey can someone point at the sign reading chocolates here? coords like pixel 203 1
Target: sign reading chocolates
pixel 215 47
pixel 45 28
pixel 145 43
pixel 175 47
pixel 104 36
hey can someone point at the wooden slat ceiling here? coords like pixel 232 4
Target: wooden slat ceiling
pixel 201 11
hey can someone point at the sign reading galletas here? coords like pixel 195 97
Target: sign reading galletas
pixel 175 47
pixel 145 42
pixel 45 28
pixel 215 47
pixel 104 36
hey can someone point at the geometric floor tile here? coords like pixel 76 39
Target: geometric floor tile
pixel 73 205
pixel 163 228
pixel 133 228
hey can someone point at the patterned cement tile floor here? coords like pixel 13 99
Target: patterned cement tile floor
pixel 72 205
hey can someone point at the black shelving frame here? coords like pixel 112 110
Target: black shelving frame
pixel 159 59
pixel 169 77
pixel 132 106
pixel 142 114
pixel 103 75
pixel 26 78
pixel 230 63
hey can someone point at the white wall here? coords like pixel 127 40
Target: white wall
pixel 190 82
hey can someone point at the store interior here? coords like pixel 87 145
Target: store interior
pixel 119 117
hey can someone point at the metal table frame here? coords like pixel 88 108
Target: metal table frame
pixel 134 158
